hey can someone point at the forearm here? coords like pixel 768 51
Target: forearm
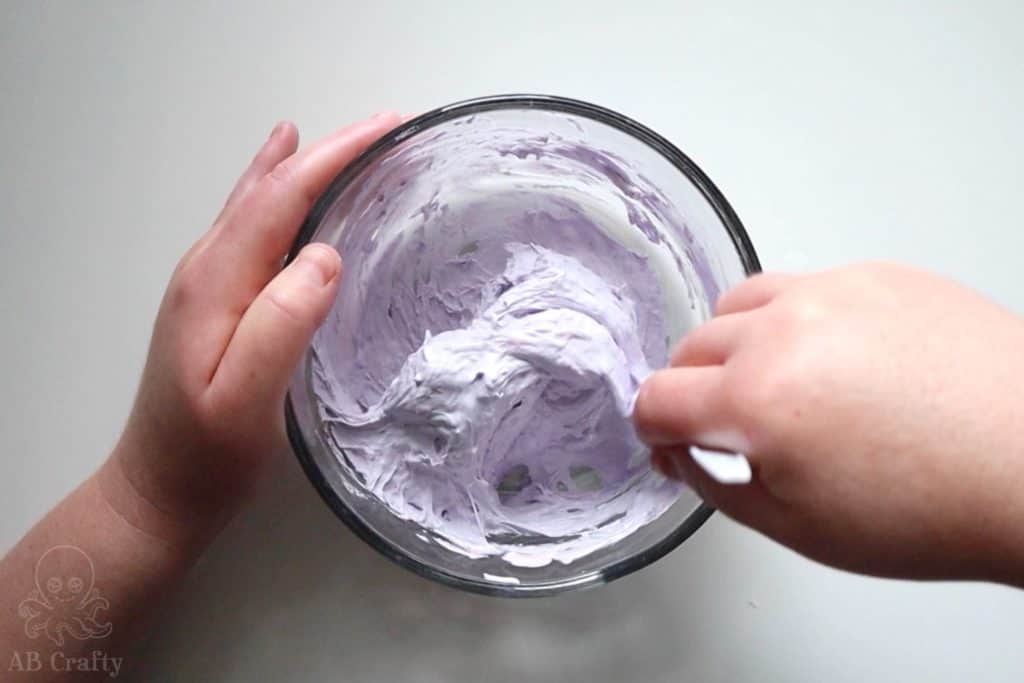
pixel 231 330
pixel 135 554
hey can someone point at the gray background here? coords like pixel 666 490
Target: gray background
pixel 839 131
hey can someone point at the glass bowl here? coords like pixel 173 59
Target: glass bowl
pixel 530 161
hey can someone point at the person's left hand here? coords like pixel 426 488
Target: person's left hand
pixel 231 328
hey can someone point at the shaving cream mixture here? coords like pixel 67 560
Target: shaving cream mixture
pixel 477 373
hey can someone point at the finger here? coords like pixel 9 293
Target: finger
pixel 264 225
pixel 753 293
pixel 282 143
pixel 246 251
pixel 274 332
pixel 279 145
pixel 680 406
pixel 711 343
pixel 751 504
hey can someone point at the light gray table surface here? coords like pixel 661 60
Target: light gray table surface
pixel 839 131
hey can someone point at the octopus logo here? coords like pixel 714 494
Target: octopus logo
pixel 64 601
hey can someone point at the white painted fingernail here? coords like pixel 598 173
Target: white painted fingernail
pixel 725 468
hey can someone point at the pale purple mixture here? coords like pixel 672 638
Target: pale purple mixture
pixel 503 297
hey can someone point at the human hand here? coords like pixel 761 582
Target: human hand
pixel 231 328
pixel 882 409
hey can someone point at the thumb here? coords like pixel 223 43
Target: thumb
pixel 275 330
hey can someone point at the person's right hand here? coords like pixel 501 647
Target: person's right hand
pixel 882 409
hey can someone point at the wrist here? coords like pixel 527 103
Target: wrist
pixel 183 473
pixel 136 495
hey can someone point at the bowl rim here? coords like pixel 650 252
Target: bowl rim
pixel 733 225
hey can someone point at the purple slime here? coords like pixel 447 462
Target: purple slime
pixel 503 297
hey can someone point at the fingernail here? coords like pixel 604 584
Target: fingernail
pixel 319 263
pixel 276 129
pixel 381 115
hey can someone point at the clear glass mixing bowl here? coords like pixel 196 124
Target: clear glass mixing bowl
pixel 662 206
